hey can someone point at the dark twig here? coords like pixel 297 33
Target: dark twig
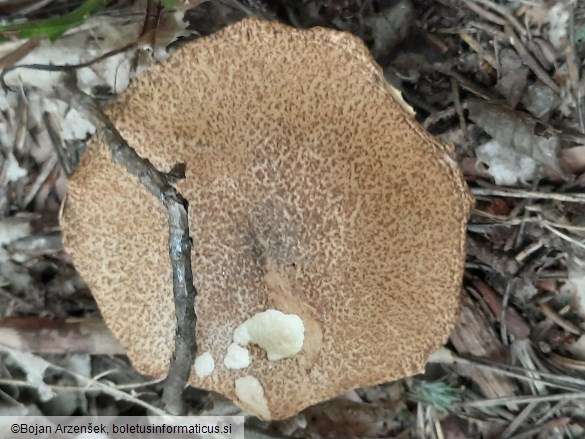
pixel 459 108
pixel 66 67
pixel 573 64
pixel 530 61
pixel 68 156
pixel 476 46
pixel 151 20
pixel 20 52
pixel 497 191
pixel 489 16
pixel 558 381
pixel 157 183
pixel 87 382
pixel 147 35
pixel 48 336
pixel 467 84
pixel 506 13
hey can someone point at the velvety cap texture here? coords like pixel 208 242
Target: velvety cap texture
pixel 311 191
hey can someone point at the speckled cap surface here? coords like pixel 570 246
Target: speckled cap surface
pixel 311 191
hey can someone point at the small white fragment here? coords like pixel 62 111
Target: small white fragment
pixel 14 171
pixel 237 357
pixel 280 335
pixel 577 280
pixel 397 95
pixel 8 99
pixel 204 365
pixel 34 367
pixel 442 355
pixel 450 161
pixel 505 164
pixel 250 393
pixel 11 231
pixel 558 20
pixel 75 126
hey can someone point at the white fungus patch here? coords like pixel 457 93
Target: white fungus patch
pixel 505 164
pixel 450 161
pixel 204 365
pixel 577 281
pixel 72 124
pixel 558 20
pixel 34 367
pixel 280 335
pixel 251 394
pixel 237 357
pixel 14 171
pixel 10 231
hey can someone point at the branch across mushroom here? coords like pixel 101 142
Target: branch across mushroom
pixel 328 226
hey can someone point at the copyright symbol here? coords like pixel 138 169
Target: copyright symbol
pixel 15 428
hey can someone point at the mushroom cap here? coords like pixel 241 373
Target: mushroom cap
pixel 312 191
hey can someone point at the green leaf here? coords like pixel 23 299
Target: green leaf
pixel 581 33
pixel 169 3
pixel 436 393
pixel 52 27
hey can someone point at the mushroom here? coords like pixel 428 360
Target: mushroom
pixel 314 197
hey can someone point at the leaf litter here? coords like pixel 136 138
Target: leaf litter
pixel 500 80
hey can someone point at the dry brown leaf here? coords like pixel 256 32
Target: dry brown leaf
pixel 455 427
pixel 344 418
pixel 515 323
pixel 540 101
pixel 17 54
pixel 513 77
pixel 517 131
pixel 572 160
pixel 39 335
pixel 474 335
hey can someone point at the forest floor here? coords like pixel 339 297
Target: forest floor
pixel 504 81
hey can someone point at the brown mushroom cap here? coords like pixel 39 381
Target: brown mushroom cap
pixel 311 191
